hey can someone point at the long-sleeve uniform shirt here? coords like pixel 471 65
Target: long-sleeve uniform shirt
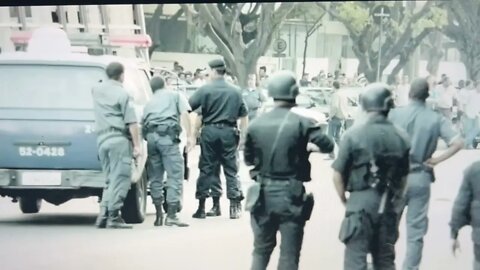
pixel 289 159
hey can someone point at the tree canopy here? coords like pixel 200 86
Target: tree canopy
pixel 403 31
pixel 462 28
pixel 242 31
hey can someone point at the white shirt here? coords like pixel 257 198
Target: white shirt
pixel 444 97
pixel 462 97
pixel 472 106
pixel 198 82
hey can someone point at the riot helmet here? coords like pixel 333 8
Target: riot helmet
pixel 283 86
pixel 376 98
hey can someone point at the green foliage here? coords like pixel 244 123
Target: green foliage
pixel 355 15
pixel 436 18
pixel 309 10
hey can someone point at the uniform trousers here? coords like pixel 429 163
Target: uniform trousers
pixel 218 146
pixel 164 156
pixel 275 214
pixel 364 231
pixel 115 155
pixel 417 201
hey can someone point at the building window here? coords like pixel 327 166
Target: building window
pixel 14 12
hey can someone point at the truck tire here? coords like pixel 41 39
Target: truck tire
pixel 135 204
pixel 30 205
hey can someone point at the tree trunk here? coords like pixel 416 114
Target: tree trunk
pixel 370 74
pixel 305 54
pixel 435 53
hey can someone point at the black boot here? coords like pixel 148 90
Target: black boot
pixel 115 221
pixel 159 215
pixel 215 211
pixel 201 209
pixel 101 221
pixel 172 219
pixel 235 209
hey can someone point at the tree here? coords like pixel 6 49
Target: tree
pixel 312 16
pixel 154 27
pixel 462 28
pixel 434 47
pixel 403 31
pixel 242 32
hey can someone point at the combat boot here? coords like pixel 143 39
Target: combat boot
pixel 172 219
pixel 101 221
pixel 115 221
pixel 235 209
pixel 215 211
pixel 201 209
pixel 159 215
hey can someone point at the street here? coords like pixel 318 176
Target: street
pixel 64 237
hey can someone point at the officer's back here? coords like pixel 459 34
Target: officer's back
pixel 163 107
pixel 284 156
pixel 221 101
pixel 424 127
pixel 289 159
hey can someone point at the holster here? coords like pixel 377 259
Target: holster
pixel 253 197
pixel 308 203
pixel 173 131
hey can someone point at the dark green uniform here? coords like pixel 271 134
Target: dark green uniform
pixel 373 158
pixel 113 112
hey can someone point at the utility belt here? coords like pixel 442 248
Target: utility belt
pixel 296 192
pixel 368 177
pixel 220 125
pixel 114 132
pixel 173 131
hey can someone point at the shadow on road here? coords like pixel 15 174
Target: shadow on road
pixel 52 220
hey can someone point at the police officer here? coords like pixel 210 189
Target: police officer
pixel 216 183
pixel 372 165
pixel 117 130
pixel 276 145
pixel 222 105
pixel 424 127
pixel 162 127
pixel 254 99
pixel 466 210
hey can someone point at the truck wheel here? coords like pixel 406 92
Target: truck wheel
pixel 30 205
pixel 135 204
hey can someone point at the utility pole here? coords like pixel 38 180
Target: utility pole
pixel 380 13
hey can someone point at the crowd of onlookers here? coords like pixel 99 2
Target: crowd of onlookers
pixel 460 104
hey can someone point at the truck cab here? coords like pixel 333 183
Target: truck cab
pixel 47 128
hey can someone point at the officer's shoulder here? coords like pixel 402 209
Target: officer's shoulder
pixel 308 115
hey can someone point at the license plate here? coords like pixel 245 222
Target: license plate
pixel 41 178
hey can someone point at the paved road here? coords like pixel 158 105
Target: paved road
pixel 63 237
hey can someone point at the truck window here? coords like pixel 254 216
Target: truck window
pixel 48 86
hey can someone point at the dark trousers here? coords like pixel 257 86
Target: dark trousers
pixel 216 186
pixel 365 233
pixel 218 146
pixel 275 214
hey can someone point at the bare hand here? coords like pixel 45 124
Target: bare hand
pixel 431 162
pixel 137 152
pixel 455 246
pixel 191 142
pixel 311 147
